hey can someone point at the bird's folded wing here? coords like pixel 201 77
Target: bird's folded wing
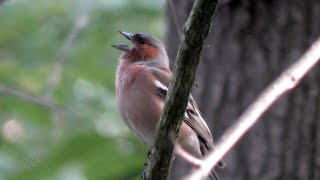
pixel 193 117
pixel 197 123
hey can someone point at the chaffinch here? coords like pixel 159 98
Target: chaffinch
pixel 142 80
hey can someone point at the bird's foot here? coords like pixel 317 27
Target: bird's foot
pixel 144 175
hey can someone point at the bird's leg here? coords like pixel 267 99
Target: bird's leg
pixel 144 175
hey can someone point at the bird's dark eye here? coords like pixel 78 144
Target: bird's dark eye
pixel 141 41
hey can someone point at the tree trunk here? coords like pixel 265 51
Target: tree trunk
pixel 251 43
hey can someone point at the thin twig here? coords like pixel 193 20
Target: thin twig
pixel 80 22
pixel 41 101
pixel 175 19
pixel 285 82
pixel 47 101
pixel 26 96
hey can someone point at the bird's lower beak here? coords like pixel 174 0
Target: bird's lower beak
pixel 124 47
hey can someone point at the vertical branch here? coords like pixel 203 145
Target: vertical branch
pixel 196 31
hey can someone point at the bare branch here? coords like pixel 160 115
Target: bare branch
pixel 42 101
pixel 47 101
pixel 28 97
pixel 196 31
pixel 285 82
pixel 80 22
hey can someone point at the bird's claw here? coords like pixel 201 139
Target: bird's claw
pixel 144 175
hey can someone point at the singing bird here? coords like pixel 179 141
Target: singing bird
pixel 142 81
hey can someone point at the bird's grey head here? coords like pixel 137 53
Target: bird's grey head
pixel 145 49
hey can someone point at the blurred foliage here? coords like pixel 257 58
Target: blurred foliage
pixel 89 141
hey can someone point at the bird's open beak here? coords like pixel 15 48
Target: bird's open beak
pixel 124 47
pixel 127 35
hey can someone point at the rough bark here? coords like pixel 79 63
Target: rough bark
pixel 195 32
pixel 252 43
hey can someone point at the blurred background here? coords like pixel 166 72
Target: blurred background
pixel 57 101
pixel 58 118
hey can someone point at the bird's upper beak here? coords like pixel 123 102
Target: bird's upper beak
pixel 124 47
pixel 127 35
